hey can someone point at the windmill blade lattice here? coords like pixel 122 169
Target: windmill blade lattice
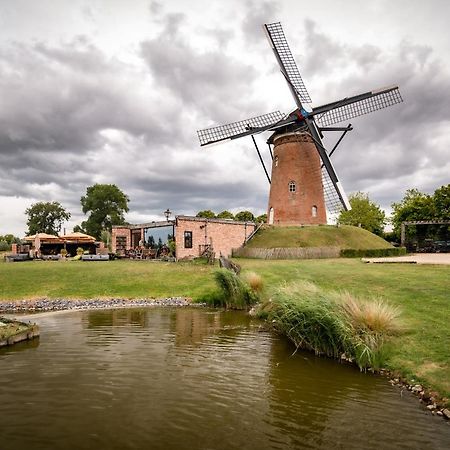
pixel 286 60
pixel 238 129
pixel 349 108
pixel 332 201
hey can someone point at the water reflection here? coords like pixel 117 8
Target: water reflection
pixel 193 379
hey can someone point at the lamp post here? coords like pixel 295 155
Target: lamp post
pixel 167 213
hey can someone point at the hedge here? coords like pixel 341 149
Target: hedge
pixel 372 253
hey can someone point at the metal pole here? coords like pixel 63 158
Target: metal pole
pixel 260 158
pixel 270 151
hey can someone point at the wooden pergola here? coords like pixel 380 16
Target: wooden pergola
pixel 418 222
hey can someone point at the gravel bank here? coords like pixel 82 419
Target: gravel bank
pixel 46 304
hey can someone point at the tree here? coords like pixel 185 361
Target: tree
pixel 46 217
pixel 10 239
pixel 225 215
pixel 415 205
pixel 206 214
pixel 364 213
pixel 441 199
pixel 261 219
pixel 245 216
pixel 106 204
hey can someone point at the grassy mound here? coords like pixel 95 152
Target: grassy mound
pixel 344 237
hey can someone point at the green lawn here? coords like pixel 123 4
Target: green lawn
pixel 422 293
pixel 81 279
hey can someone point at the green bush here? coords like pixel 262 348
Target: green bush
pixel 372 253
pixel 4 246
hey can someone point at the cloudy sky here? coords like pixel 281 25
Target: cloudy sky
pixel 113 91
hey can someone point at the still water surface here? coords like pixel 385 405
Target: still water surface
pixel 193 379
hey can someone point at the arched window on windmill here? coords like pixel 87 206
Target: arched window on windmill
pixel 314 211
pixel 275 161
pixel 292 186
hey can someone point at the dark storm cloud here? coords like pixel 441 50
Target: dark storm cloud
pixel 390 145
pixel 59 98
pixel 212 83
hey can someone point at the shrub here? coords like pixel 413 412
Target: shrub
pixel 80 251
pixel 63 252
pixel 4 246
pixel 372 253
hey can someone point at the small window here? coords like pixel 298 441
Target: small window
pixel 276 161
pixel 292 186
pixel 188 239
pixel 314 211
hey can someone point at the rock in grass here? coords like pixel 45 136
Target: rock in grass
pixel 446 413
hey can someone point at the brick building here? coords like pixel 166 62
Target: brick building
pixel 192 235
pixel 296 192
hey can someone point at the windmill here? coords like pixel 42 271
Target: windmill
pixel 303 182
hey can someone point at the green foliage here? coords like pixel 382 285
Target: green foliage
pixel 372 252
pixel 225 215
pixel 106 204
pixel 105 237
pixel 4 246
pixel 206 214
pixel 234 292
pixel 364 213
pixel 172 246
pixel 441 198
pixel 245 216
pixel 415 205
pixel 10 239
pixel 46 217
pixel 331 324
pixel 261 219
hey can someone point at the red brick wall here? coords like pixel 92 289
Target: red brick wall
pixel 297 160
pixel 120 231
pixel 223 235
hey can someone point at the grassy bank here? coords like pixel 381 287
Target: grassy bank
pixel 421 292
pixel 343 237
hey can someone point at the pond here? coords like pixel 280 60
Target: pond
pixel 193 378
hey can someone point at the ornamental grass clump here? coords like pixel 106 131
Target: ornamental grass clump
pixel 332 324
pixel 254 281
pixel 235 293
pixel 371 323
pixel 303 313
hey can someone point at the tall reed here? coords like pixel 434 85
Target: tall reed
pixel 234 293
pixel 331 324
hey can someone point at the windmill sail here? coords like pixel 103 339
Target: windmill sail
pixel 358 105
pixel 287 63
pixel 328 166
pixel 239 129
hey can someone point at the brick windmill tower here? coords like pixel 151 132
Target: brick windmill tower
pixel 304 184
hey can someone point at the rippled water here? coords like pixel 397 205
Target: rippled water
pixel 193 379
